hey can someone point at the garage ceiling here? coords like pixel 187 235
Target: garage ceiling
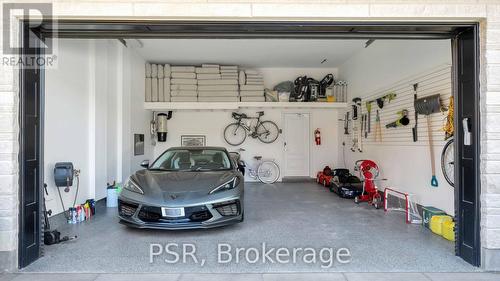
pixel 250 52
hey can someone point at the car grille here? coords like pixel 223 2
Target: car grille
pixel 228 208
pixel 126 209
pixel 200 216
pixel 194 214
pixel 150 214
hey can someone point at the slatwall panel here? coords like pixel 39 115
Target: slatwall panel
pixel 437 81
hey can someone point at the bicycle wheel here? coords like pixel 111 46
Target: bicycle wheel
pixel 235 134
pixel 267 131
pixel 268 172
pixel 448 162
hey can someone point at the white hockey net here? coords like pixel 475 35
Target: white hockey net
pixel 401 201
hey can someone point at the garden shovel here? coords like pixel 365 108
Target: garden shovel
pixel 427 106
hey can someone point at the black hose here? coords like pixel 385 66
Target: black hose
pixel 66 215
pixel 77 187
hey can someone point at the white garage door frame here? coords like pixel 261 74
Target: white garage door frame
pixel 465 35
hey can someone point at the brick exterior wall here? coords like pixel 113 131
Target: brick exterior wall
pixel 9 148
pixel 487 11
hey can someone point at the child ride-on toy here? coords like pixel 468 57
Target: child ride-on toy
pixel 368 172
pixel 324 177
pixel 345 184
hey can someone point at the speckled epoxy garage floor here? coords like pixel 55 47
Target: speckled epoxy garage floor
pixel 291 215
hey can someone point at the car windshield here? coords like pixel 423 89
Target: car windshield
pixel 192 160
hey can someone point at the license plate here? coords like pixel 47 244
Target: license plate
pixel 172 212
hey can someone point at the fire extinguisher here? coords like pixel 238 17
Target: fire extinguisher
pixel 317 137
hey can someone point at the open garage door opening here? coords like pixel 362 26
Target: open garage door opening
pixel 325 118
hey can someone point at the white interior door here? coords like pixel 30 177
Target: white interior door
pixel 296 144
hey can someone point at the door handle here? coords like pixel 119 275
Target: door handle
pixel 467 134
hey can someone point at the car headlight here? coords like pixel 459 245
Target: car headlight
pixel 130 185
pixel 226 186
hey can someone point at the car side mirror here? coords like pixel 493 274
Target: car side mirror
pixel 145 164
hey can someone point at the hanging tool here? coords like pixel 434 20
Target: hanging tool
pixel 346 123
pixel 360 137
pixel 378 128
pixel 427 106
pixel 402 121
pixel 414 129
pixel 153 129
pixel 355 136
pixel 366 125
pixel 355 108
pixel 358 103
pixel 369 110
pixel 390 97
pixel 380 101
pixel 362 124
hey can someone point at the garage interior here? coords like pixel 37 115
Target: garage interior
pixel 98 115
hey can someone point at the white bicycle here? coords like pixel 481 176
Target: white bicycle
pixel 266 171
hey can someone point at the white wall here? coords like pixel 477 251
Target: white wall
pixel 93 107
pixel 385 62
pixel 406 166
pixel 66 135
pixel 212 124
pixel 137 118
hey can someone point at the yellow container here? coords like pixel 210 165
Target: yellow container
pixel 449 230
pixel 437 223
pixel 330 98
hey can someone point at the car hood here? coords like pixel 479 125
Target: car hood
pixel 187 185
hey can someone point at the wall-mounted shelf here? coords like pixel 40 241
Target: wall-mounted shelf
pixel 163 106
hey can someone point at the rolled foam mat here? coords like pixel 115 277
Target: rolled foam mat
pixel 148 70
pixel 147 90
pixel 166 71
pixel 218 87
pixel 154 70
pixel 183 81
pixel 217 93
pixel 183 99
pixel 182 68
pixel 209 70
pixel 160 90
pixel 203 76
pixel 185 75
pixel 161 72
pixel 176 93
pixel 154 89
pixel 218 82
pixel 183 87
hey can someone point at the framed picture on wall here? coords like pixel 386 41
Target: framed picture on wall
pixel 193 140
pixel 138 144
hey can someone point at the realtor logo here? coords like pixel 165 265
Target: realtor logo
pixel 33 15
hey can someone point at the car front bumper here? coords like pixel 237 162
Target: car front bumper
pixel 207 215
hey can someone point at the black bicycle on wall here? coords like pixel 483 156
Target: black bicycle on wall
pixel 236 133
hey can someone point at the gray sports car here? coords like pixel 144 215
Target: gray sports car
pixel 184 188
